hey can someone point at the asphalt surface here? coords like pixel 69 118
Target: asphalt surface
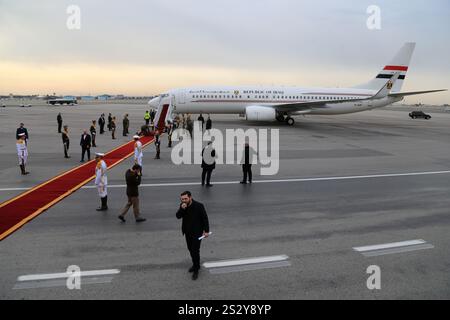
pixel 317 223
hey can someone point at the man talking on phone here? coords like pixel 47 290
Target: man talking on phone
pixel 195 224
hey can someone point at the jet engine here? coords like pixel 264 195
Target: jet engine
pixel 259 113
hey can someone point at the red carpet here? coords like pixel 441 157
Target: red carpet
pixel 23 208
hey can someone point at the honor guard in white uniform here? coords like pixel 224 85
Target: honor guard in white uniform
pixel 22 152
pixel 138 154
pixel 101 181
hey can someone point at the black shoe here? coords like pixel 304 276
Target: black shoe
pixel 140 220
pixel 209 185
pixel 243 182
pixel 102 209
pixel 195 275
pixel 121 218
pixel 191 269
pixel 81 160
pixel 67 157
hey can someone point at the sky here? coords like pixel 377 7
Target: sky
pixel 145 47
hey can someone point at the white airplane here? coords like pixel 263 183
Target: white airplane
pixel 260 103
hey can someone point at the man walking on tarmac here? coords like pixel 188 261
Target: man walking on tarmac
pixel 133 179
pixel 195 225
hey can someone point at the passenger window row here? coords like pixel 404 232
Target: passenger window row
pixel 273 97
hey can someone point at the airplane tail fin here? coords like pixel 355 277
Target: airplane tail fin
pixel 399 64
pixel 386 89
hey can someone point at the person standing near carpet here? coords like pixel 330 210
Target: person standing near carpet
pixel 138 153
pixel 147 117
pixel 66 141
pixel 101 123
pixel 109 121
pixel 113 128
pixel 101 181
pixel 126 125
pixel 93 131
pixel 85 144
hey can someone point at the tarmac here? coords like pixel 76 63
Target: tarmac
pixel 371 178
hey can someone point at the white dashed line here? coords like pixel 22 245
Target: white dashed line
pixel 395 247
pixel 175 184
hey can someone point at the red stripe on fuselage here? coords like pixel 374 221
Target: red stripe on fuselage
pixel 396 68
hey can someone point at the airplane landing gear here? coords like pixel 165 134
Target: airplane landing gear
pixel 290 121
pixel 280 117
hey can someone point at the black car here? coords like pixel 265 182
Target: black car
pixel 419 114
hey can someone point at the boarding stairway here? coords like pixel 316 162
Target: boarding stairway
pixel 164 112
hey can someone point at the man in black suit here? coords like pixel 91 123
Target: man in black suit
pixel 195 224
pixel 101 123
pixel 110 118
pixel 21 130
pixel 59 119
pixel 247 164
pixel 202 120
pixel 93 132
pixel 208 163
pixel 208 123
pixel 85 144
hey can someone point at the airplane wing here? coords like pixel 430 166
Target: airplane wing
pixel 305 107
pixel 411 93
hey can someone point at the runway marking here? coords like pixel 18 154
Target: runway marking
pixel 63 275
pixel 58 283
pixel 60 279
pixel 395 247
pixel 175 184
pixel 247 264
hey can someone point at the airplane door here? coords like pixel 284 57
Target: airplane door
pixel 181 97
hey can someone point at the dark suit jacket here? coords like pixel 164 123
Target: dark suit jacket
pixel 208 124
pixel 65 137
pixel 21 130
pixel 133 182
pixel 92 130
pixel 86 142
pixel 195 219
pixel 209 166
pixel 126 123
